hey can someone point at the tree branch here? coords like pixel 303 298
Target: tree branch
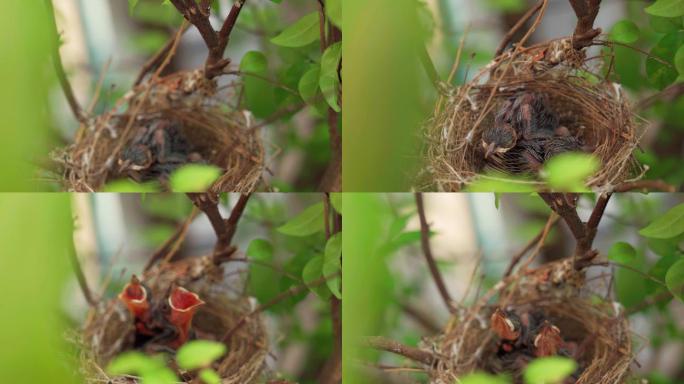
pixel 415 354
pixel 224 229
pixel 59 68
pixel 216 41
pixel 644 185
pixel 586 11
pixel 584 233
pixel 425 243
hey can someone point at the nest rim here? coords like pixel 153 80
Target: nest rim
pixel 452 133
pixel 225 136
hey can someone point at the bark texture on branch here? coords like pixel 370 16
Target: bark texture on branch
pixel 586 11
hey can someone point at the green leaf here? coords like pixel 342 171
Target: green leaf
pixel 568 171
pixel 625 31
pixel 674 279
pixel 306 223
pixel 336 201
pixel 483 378
pixel 194 177
pixel 303 32
pixel 499 182
pixel 308 84
pixel 130 186
pixel 152 370
pixel 662 72
pixel 263 281
pixel 667 226
pixel 549 370
pixel 330 79
pixel 209 376
pixel 666 8
pixel 259 94
pixel 332 264
pixel 665 24
pixel 260 249
pixel 131 363
pixel 333 9
pixel 199 353
pixel 508 6
pixel 622 253
pixel 312 273
pixel 679 60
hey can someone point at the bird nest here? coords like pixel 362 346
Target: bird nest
pixel 160 126
pixel 225 315
pixel 594 332
pixel 590 110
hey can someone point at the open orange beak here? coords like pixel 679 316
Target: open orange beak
pixel 134 295
pixel 183 305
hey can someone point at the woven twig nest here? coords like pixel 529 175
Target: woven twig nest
pixel 591 109
pixel 598 329
pixel 181 118
pixel 225 312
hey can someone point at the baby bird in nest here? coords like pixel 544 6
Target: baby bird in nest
pixel 157 150
pixel 525 134
pixel 163 324
pixel 524 337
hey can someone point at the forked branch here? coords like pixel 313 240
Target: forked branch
pixel 216 41
pixel 586 11
pixel 223 228
pixel 584 233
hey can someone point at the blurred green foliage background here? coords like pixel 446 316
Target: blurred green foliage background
pixel 35 236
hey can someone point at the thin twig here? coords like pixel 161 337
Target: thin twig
pixel 59 68
pixel 660 297
pixel 524 19
pixel 158 57
pixel 545 232
pixel 292 291
pixel 644 185
pixel 171 244
pixel 80 276
pixel 425 243
pixel 421 318
pixel 668 94
pixel 383 344
pixel 528 247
